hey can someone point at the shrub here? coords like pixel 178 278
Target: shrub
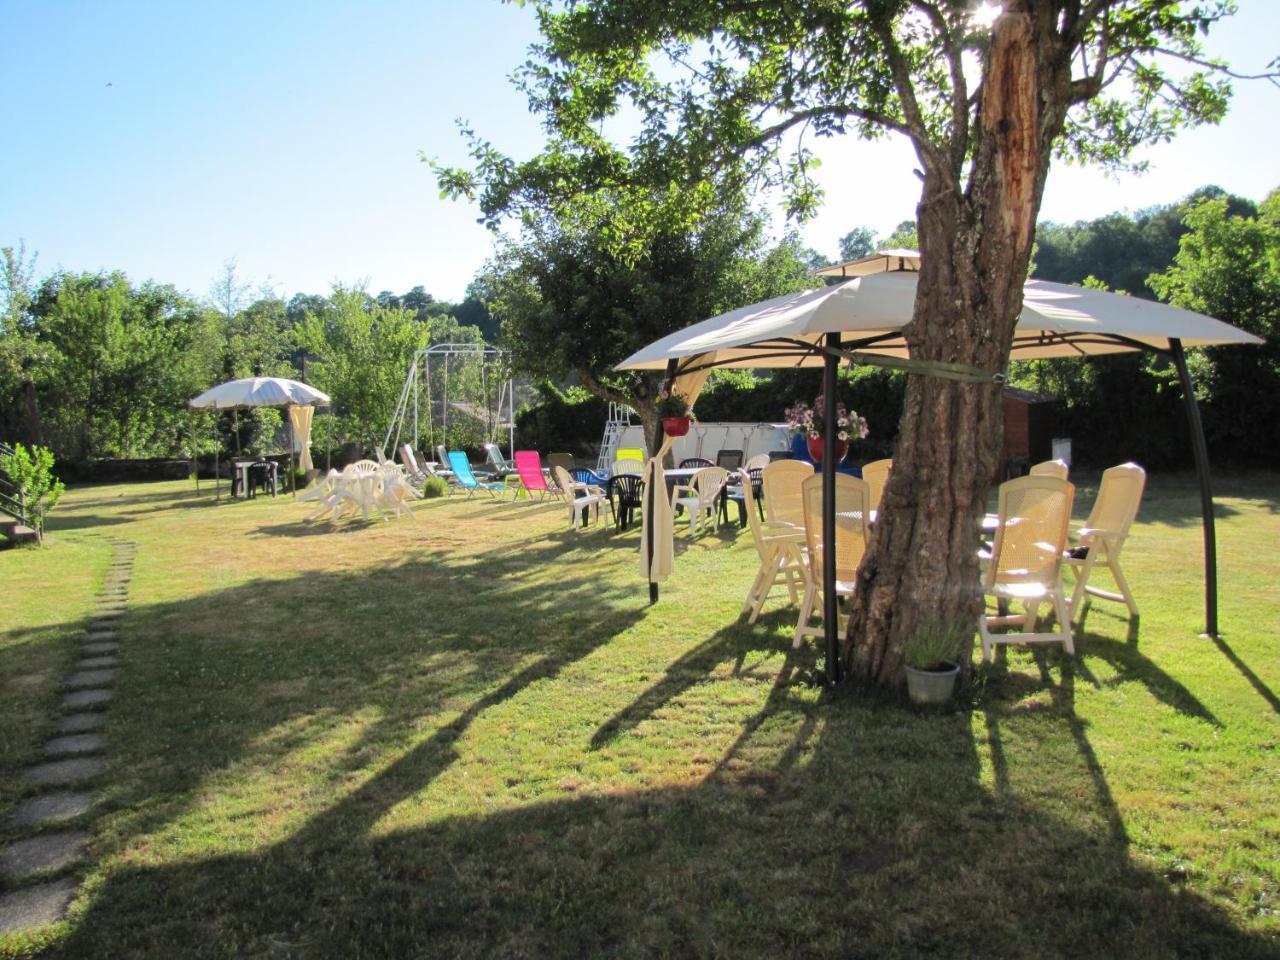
pixel 571 420
pixel 37 490
pixel 935 645
pixel 435 487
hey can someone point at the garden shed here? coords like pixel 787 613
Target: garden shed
pixel 1029 422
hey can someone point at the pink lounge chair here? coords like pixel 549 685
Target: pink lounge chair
pixel 529 467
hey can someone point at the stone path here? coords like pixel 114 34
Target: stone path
pixel 49 835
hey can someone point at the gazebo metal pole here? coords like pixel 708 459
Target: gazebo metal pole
pixel 830 608
pixel 1201 451
pixel 288 411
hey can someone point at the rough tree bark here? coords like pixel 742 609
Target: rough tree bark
pixel 975 242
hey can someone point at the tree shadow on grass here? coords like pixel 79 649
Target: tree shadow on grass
pixel 186 495
pixel 845 830
pixel 1255 681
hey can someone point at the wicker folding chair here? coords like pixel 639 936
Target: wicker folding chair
pixel 1025 563
pixel 853 513
pixel 1104 533
pixel 779 549
pixel 1050 468
pixel 783 501
pixel 876 473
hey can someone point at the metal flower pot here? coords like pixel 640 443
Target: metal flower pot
pixel 931 687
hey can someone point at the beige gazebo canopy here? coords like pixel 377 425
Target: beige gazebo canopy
pixel 870 310
pixel 863 316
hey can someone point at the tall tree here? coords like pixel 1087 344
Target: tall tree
pixel 985 105
pixel 363 351
pixel 1228 266
pixel 21 358
pixel 572 304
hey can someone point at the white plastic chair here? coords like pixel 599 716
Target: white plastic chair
pixel 853 513
pixel 702 497
pixel 1104 533
pixel 323 490
pixel 580 496
pixel 396 491
pixel 358 488
pixel 1025 563
pixel 781 560
pixel 627 465
pixel 758 462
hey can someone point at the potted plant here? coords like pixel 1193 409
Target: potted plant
pixel 809 422
pixel 931 658
pixel 674 410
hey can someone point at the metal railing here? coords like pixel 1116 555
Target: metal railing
pixel 11 496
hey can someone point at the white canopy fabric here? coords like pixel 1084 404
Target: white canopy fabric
pixel 1057 320
pixel 300 421
pixel 259 392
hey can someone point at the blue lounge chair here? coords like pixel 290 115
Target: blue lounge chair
pixel 466 479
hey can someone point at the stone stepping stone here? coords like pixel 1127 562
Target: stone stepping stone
pixel 82 722
pixel 37 906
pixel 103 633
pixel 101 646
pixel 107 615
pixel 74 743
pixel 96 663
pixel 46 853
pixel 91 678
pixel 79 699
pixel 61 773
pixel 52 808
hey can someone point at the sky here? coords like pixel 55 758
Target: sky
pixel 163 139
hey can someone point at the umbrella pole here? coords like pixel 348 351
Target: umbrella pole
pixel 1201 451
pixel 195 459
pixel 649 495
pixel 830 608
pixel 217 476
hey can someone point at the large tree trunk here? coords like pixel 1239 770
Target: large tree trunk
pixel 975 245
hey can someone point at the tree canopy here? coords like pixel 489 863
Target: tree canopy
pixel 572 303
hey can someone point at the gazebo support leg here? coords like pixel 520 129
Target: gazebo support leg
pixel 1201 451
pixel 830 606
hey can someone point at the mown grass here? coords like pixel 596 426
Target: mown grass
pixel 469 735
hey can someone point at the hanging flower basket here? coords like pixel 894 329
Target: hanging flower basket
pixel 816 449
pixel 810 422
pixel 675 426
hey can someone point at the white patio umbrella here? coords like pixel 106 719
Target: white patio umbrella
pixel 259 392
pixel 865 315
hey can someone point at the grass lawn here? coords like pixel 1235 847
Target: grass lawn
pixel 469 735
